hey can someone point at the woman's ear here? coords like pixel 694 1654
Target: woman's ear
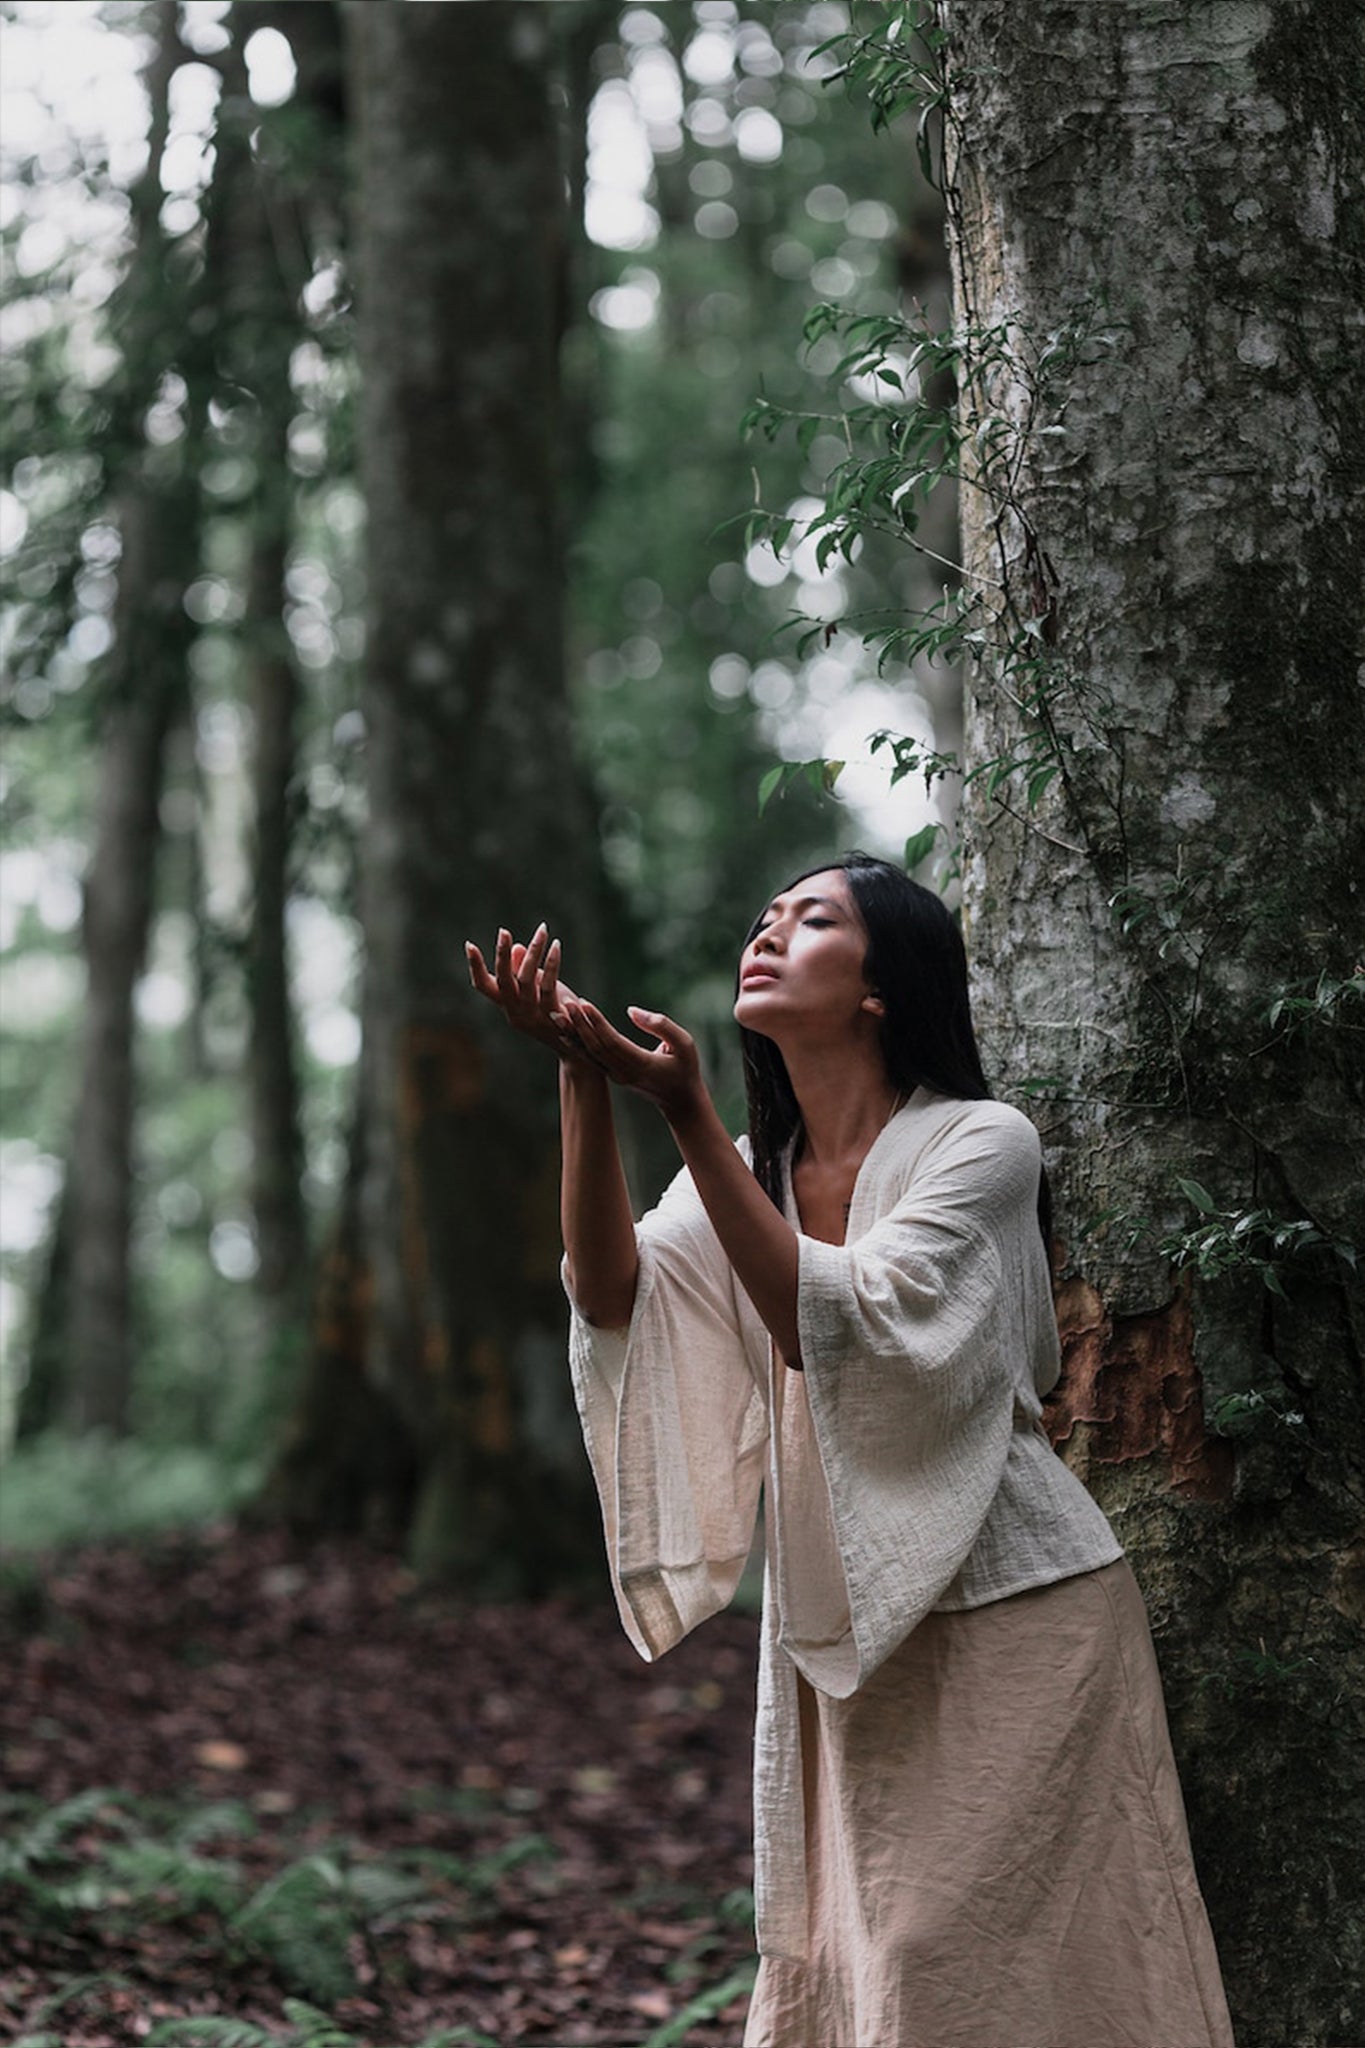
pixel 874 1005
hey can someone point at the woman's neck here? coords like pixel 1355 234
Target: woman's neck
pixel 844 1103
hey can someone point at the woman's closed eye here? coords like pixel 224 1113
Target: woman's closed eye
pixel 816 924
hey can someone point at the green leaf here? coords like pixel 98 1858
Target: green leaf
pixel 769 786
pixel 919 845
pixel 1039 780
pixel 1200 1197
pixel 320 2029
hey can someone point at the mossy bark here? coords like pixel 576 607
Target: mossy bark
pixel 1188 544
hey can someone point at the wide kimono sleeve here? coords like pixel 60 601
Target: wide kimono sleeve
pixel 922 1339
pixel 674 1417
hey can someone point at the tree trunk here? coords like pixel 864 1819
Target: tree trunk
pixel 276 1143
pixel 262 327
pixel 1175 643
pixel 143 685
pixel 478 817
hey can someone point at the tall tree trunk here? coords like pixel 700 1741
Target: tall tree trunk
pixel 143 686
pixel 262 326
pixel 1178 639
pixel 478 817
pixel 276 1141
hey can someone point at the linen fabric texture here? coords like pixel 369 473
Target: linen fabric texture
pixel 906 1476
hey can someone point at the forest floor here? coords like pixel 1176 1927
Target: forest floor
pixel 254 1782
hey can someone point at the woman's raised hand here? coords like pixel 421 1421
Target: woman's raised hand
pixel 668 1072
pixel 524 984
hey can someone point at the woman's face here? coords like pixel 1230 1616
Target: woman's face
pixel 802 972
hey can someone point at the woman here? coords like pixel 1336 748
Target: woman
pixel 968 1828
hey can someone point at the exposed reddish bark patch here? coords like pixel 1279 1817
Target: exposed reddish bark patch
pixel 444 1072
pixel 343 1302
pixel 490 1411
pixel 1132 1380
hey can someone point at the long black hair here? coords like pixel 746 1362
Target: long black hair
pixel 916 962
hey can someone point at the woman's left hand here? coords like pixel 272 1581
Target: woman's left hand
pixel 668 1072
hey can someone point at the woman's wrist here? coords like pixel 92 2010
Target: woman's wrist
pixel 582 1079
pixel 688 1113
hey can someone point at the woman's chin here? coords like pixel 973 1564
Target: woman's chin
pixel 752 1013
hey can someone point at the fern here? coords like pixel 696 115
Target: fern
pixel 148 1874
pixel 225 1818
pixel 105 1854
pixel 459 2037
pixel 204 2032
pixel 77 1987
pixel 316 2030
pixel 302 1919
pixel 39 1842
pixel 309 2028
pixel 704 2006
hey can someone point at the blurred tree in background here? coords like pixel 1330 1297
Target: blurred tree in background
pixel 478 811
pixel 148 453
pixel 183 351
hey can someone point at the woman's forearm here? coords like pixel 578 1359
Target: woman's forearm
pixel 595 1211
pixel 759 1243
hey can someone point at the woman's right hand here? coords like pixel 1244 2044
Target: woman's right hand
pixel 524 984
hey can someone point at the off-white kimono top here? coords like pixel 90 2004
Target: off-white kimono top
pixel 905 1468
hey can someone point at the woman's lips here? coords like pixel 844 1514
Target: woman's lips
pixel 753 975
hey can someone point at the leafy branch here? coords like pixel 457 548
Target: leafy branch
pixel 1248 1240
pixel 1320 1001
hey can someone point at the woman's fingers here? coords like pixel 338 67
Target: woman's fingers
pixel 478 971
pixel 511 981
pixel 583 1024
pixel 524 983
pixel 515 966
pixel 526 961
pixel 665 1030
pixel 549 978
pixel 502 964
pixel 625 1059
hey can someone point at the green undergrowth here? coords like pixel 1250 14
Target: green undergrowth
pixel 107 1864
pixel 105 1870
pixel 57 1490
pixel 306 2026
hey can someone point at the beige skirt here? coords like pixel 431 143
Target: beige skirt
pixel 996 1846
